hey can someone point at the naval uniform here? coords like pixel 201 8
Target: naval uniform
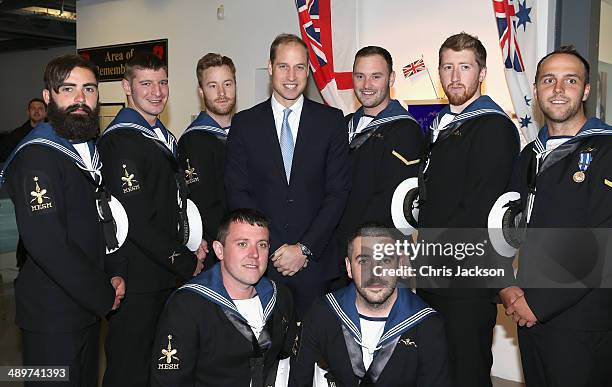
pixel 467 166
pixel 568 188
pixel 383 153
pixel 204 338
pixel 141 170
pixel 62 291
pixel 201 153
pixel 408 348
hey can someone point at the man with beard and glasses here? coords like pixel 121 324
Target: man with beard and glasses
pixel 201 148
pixel 564 179
pixel 372 332
pixel 54 180
pixel 472 146
pixel 141 169
pixel 383 136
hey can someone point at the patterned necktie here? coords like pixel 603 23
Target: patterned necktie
pixel 286 143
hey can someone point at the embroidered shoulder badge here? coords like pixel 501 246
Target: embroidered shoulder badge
pixel 168 355
pixel 190 174
pixel 128 181
pixel 38 196
pixel 408 343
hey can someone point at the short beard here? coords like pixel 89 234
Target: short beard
pixel 211 108
pixel 458 100
pixel 383 299
pixel 71 126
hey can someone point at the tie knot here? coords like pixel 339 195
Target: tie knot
pixel 286 113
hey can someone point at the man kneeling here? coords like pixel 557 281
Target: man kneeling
pixel 372 332
pixel 228 326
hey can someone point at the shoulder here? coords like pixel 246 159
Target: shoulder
pixel 197 137
pixel 36 156
pixel 185 299
pixel 403 127
pixel 320 108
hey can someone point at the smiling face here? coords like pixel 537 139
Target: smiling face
pixel 372 83
pixel 289 73
pixel 243 256
pixel 460 76
pixel 560 89
pixel 147 92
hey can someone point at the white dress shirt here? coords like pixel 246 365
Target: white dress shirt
pixel 293 119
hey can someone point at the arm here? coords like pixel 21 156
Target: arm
pixel 158 245
pixel 176 347
pixel 237 185
pixel 401 160
pixel 337 187
pixel 45 234
pixel 308 350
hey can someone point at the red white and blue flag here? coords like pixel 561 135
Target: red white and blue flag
pixel 515 24
pixel 330 54
pixel 413 68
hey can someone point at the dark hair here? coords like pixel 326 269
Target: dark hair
pixel 464 41
pixel 241 215
pixel 286 39
pixel 59 69
pixel 37 100
pixel 143 60
pixel 214 60
pixel 370 229
pixel 569 50
pixel 375 50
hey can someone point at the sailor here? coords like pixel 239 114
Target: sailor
pixel 64 218
pixel 372 332
pixel 201 148
pixel 563 181
pixel 472 147
pixel 385 143
pixel 229 326
pixel 141 170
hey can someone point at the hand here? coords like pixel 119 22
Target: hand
pixel 202 251
pixel 288 259
pixel 199 267
pixel 119 285
pixel 510 294
pixel 522 313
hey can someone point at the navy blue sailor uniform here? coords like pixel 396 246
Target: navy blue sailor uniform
pixel 411 350
pixel 566 194
pixel 384 153
pixel 201 153
pixel 203 340
pixel 142 171
pixel 64 288
pixel 467 165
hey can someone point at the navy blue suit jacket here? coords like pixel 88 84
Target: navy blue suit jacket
pixel 309 208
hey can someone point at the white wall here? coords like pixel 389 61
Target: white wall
pixel 21 77
pixel 192 30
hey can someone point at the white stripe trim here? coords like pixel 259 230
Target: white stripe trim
pixel 406 323
pixel 212 294
pixel 270 307
pixel 343 316
pixel 206 128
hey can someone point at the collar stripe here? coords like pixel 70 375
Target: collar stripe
pixel 347 321
pixel 206 128
pixel 212 295
pixel 406 324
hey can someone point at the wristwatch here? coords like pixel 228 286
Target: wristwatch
pixel 306 251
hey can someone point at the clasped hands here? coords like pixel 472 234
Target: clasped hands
pixel 288 259
pixel 516 306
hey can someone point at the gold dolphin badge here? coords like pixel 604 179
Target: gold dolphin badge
pixel 408 343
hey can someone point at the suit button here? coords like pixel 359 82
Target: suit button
pixel 290 201
pixel 286 226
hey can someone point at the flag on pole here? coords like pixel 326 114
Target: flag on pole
pixel 413 68
pixel 330 54
pixel 515 24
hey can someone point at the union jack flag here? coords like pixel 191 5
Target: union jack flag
pixel 505 14
pixel 413 68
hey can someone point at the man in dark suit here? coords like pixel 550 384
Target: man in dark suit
pixel 288 158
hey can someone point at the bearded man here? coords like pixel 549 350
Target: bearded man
pixel 53 177
pixel 201 148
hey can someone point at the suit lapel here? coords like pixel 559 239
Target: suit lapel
pixel 271 138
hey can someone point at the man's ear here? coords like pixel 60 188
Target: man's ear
pixel 587 91
pixel 270 68
pixel 391 79
pixel 483 74
pixel 218 248
pixel 46 96
pixel 347 262
pixel 127 87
